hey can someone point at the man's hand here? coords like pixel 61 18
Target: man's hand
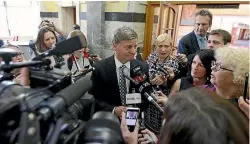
pixel 118 111
pixel 129 137
pixel 158 80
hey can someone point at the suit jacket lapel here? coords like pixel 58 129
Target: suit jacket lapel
pixel 111 71
pixel 195 42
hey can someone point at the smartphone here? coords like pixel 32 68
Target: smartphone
pixel 131 118
pixel 93 55
pixel 246 86
pixel 86 66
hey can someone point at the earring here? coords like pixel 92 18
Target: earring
pixel 208 78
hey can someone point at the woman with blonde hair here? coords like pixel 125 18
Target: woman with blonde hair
pixel 162 58
pixel 228 72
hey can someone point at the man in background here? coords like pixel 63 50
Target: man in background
pixel 197 39
pixel 218 38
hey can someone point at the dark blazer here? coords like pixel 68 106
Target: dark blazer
pixel 188 44
pixel 105 87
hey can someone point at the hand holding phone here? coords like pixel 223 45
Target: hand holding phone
pixel 131 118
pixel 129 137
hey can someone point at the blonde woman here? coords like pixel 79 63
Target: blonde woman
pixel 228 72
pixel 162 58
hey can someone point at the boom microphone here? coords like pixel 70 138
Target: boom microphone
pixel 64 47
pixel 65 98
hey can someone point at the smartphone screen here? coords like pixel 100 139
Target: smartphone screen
pixel 131 118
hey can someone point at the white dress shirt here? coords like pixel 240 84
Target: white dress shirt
pixel 118 64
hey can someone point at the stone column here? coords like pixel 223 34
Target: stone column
pixel 95 26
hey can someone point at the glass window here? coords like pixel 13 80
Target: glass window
pixel 23 18
pixel 18 3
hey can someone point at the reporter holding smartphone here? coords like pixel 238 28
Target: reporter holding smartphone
pixel 80 60
pixel 162 57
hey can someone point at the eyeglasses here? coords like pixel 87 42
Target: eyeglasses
pixel 217 66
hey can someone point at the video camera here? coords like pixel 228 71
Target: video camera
pixel 48 112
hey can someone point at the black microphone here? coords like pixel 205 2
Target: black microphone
pixel 65 98
pixel 129 78
pixel 145 87
pixel 64 47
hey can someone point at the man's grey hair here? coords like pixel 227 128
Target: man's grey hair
pixel 205 13
pixel 124 33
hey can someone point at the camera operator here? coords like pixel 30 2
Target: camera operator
pixel 21 75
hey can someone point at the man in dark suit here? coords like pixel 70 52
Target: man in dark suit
pixel 197 39
pixel 109 85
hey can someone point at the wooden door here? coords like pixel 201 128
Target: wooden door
pixel 161 18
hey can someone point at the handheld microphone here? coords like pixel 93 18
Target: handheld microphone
pixel 145 88
pixel 65 98
pixel 129 78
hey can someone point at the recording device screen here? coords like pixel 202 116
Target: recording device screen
pixel 131 116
